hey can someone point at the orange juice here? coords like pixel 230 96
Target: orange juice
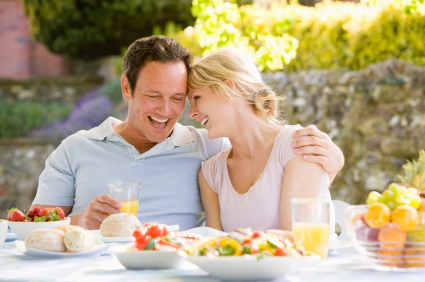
pixel 314 237
pixel 130 206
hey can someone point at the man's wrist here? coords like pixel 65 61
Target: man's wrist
pixel 76 220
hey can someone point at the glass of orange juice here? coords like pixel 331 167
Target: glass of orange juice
pixel 310 224
pixel 127 192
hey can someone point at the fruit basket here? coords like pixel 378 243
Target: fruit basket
pixel 391 236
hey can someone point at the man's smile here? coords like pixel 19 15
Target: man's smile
pixel 157 122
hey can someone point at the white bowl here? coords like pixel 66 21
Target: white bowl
pixel 3 231
pixel 21 229
pixel 250 267
pixel 146 259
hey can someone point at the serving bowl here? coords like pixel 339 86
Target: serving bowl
pixel 407 254
pixel 145 259
pixel 21 229
pixel 3 231
pixel 251 267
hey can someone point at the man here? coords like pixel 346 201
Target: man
pixel 149 147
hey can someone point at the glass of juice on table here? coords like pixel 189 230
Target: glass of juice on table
pixel 127 192
pixel 310 224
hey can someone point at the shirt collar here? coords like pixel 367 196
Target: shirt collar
pixel 104 130
pixel 181 134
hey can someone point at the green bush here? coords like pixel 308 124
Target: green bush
pixel 19 119
pixel 331 35
pixel 90 29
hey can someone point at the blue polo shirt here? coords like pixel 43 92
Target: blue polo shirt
pixel 83 164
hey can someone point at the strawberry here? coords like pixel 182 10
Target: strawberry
pixel 37 211
pixel 17 215
pixel 9 213
pixel 53 216
pixel 59 212
pixel 45 212
pixel 31 214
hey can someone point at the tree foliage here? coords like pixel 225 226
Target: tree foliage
pixel 256 30
pixel 89 29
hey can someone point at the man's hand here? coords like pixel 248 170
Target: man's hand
pixel 318 148
pixel 96 212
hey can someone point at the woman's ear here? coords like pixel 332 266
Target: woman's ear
pixel 231 84
pixel 125 87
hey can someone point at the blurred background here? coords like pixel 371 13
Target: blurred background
pixel 356 69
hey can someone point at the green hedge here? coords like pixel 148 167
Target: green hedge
pixel 332 34
pixel 19 119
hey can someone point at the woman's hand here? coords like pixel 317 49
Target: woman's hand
pixel 318 148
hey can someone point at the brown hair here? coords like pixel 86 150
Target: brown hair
pixel 156 48
pixel 230 64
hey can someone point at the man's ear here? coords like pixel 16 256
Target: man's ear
pixel 125 87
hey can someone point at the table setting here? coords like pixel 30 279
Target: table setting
pixel 384 244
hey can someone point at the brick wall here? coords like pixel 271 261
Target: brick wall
pixel 20 56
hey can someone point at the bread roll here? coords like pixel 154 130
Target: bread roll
pixel 66 228
pixel 46 240
pixel 79 240
pixel 119 225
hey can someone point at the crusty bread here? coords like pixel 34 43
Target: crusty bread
pixel 46 240
pixel 119 225
pixel 66 228
pixel 79 240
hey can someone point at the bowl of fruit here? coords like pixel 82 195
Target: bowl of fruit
pixel 23 223
pixel 390 229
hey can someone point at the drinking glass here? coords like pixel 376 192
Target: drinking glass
pixel 310 224
pixel 127 193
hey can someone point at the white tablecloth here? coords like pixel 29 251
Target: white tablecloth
pixel 337 267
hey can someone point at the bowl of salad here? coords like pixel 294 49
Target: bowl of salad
pixel 154 247
pixel 247 255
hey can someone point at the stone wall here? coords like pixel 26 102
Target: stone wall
pixel 376 116
pixel 64 90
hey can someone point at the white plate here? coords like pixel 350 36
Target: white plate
pixel 251 268
pixel 111 239
pixel 339 244
pixel 98 248
pixel 146 259
pixel 124 239
pixel 206 232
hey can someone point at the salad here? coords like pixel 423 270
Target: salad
pixel 156 237
pixel 246 242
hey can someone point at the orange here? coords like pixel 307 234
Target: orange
pixel 415 257
pixel 405 217
pixel 394 255
pixel 378 215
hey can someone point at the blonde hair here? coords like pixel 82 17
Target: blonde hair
pixel 229 64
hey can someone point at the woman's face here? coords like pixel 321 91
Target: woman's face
pixel 212 111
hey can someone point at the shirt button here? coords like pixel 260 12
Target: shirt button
pixel 135 156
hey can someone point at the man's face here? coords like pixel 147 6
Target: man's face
pixel 158 99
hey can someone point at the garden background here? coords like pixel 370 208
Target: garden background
pixel 356 69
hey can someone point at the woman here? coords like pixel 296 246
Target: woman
pixel 250 184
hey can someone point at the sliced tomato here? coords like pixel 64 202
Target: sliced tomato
pixel 258 234
pixel 155 231
pixel 281 252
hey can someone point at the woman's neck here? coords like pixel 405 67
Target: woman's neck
pixel 252 137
